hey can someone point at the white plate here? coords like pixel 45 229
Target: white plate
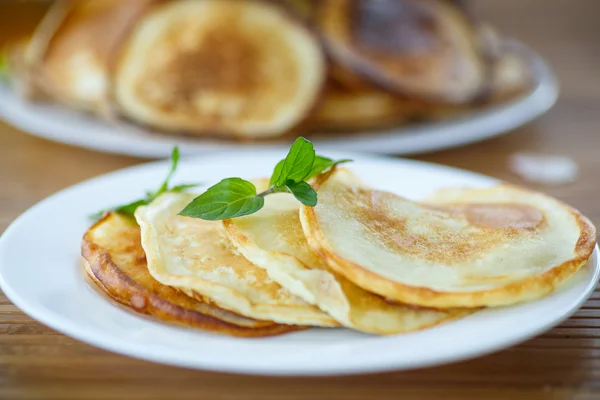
pixel 60 124
pixel 40 273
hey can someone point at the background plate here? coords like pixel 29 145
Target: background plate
pixel 40 272
pixel 60 124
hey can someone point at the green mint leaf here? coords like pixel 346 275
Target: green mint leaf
pixel 174 163
pixel 323 163
pixel 276 172
pixel 230 198
pixel 297 163
pixel 303 192
pixel 126 209
pixel 183 187
pixel 96 216
pixel 129 209
pixel 165 185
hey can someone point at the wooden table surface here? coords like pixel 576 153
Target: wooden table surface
pixel 564 363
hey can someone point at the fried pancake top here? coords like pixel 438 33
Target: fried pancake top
pixel 273 239
pixel 493 246
pixel 197 257
pixel 75 66
pixel 239 68
pixel 424 48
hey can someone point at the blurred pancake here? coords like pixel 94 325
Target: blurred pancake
pixel 343 109
pixel 273 239
pixel 238 68
pixel 305 9
pixel 16 70
pixel 466 248
pixel 75 62
pixel 116 264
pixel 512 76
pixel 363 106
pixel 426 49
pixel 195 256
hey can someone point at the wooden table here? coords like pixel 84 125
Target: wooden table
pixel 38 363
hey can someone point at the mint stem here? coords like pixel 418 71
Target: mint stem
pixel 273 189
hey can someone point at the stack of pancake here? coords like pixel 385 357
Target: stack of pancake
pixel 255 69
pixel 363 258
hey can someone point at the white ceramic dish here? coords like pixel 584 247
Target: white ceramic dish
pixel 41 274
pixel 57 123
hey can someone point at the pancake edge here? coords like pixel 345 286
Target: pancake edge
pixel 107 277
pixel 528 289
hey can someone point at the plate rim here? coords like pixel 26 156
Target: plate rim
pixel 123 138
pixel 99 339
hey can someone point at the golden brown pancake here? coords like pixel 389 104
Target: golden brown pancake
pixel 305 9
pixel 75 66
pixel 224 68
pixel 422 48
pixel 71 52
pixel 116 264
pixel 197 257
pixel 19 76
pixel 273 239
pixel 344 109
pixel 466 248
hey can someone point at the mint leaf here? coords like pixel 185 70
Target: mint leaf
pixel 297 163
pixel 230 198
pixel 319 165
pixel 165 185
pixel 129 209
pixel 183 187
pixel 96 216
pixel 276 172
pixel 174 163
pixel 126 209
pixel 303 192
pixel 323 163
pixel 235 197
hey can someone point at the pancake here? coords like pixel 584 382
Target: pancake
pixel 238 68
pixel 490 247
pixel 17 72
pixel 43 34
pixel 511 72
pixel 195 256
pixel 366 107
pixel 115 263
pixel 512 76
pixel 426 49
pixel 343 109
pixel 74 65
pixel 273 239
pixel 305 9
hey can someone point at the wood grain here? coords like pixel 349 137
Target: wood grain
pixel 564 363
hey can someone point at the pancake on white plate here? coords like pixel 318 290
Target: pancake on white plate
pixel 72 62
pixel 116 264
pixel 273 239
pixel 247 69
pixel 196 257
pixel 468 248
pixel 427 49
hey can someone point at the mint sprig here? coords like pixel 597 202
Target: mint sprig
pixel 232 197
pixel 129 209
pixel 236 197
pixel 297 164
